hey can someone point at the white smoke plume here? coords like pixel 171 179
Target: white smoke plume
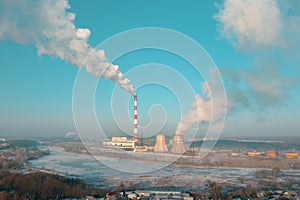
pixel 50 27
pixel 268 31
pixel 206 109
pixel 251 24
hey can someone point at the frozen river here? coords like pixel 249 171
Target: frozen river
pixel 94 172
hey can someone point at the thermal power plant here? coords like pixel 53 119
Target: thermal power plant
pixel 120 142
pixel 135 118
pixel 160 144
pixel 178 144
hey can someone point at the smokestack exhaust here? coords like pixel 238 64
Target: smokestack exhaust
pixel 53 32
pixel 135 117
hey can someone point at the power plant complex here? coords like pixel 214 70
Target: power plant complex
pixel 176 144
pixel 160 146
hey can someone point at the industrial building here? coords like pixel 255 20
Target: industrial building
pixel 290 155
pixel 271 154
pixel 121 142
pixel 254 153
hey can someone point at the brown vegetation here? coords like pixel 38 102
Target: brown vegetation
pixel 43 186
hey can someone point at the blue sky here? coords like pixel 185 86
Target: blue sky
pixel 260 73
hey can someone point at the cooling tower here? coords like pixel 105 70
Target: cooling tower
pixel 160 145
pixel 178 144
pixel 135 124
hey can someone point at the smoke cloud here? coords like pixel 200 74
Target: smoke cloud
pixel 50 27
pixel 209 108
pixel 250 24
pixel 267 31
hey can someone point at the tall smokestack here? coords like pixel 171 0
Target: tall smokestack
pixel 135 117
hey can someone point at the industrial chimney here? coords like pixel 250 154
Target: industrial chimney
pixel 160 145
pixel 135 124
pixel 178 145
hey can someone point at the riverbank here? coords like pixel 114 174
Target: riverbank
pixel 213 159
pixel 233 181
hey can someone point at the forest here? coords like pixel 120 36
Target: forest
pixel 40 185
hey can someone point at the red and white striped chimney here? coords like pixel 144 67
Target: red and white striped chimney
pixel 135 123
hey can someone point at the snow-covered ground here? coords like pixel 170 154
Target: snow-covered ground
pixel 94 172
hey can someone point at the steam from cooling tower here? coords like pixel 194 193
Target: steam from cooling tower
pixel 50 27
pixel 205 109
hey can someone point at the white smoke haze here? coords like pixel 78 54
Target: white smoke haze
pixel 257 89
pixel 268 31
pixel 250 24
pixel 50 27
pixel 253 25
pixel 263 29
pixel 203 108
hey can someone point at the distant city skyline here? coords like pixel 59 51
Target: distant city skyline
pixel 253 44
